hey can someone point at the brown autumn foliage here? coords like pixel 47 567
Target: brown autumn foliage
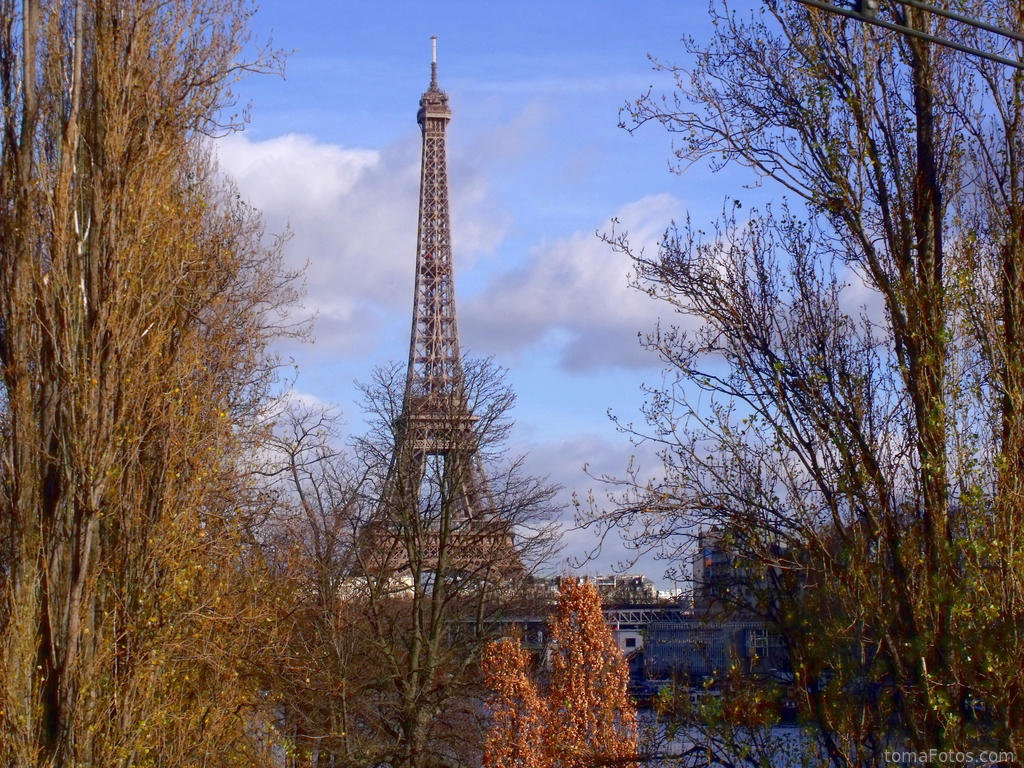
pixel 137 299
pixel 517 735
pixel 586 717
pixel 592 718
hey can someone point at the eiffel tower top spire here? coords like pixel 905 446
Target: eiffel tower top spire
pixel 435 364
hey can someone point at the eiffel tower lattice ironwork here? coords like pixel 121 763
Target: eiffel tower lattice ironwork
pixel 436 435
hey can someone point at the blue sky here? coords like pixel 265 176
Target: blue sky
pixel 537 165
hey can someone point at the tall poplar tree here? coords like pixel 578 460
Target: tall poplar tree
pixel 137 299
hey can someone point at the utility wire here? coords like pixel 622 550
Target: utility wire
pixel 850 13
pixel 964 19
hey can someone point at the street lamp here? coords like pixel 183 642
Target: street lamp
pixel 867 10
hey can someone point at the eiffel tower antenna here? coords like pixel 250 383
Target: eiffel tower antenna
pixel 433 60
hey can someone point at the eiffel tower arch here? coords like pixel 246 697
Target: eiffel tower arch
pixel 436 511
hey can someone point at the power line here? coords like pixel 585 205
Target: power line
pixel 964 19
pixel 850 13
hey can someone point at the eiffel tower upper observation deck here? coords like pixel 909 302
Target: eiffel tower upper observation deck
pixel 437 492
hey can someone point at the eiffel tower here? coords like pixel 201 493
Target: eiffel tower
pixel 437 500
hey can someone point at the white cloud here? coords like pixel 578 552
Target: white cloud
pixel 352 214
pixel 563 461
pixel 859 299
pixel 573 294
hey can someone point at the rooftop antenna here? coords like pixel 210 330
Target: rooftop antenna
pixel 433 60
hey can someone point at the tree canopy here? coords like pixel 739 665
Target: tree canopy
pixel 857 351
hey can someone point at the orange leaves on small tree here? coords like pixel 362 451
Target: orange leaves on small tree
pixel 587 717
pixel 516 738
pixel 593 720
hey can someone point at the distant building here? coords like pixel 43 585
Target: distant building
pixel 666 644
pixel 668 641
pixel 626 588
pixel 680 597
pixel 726 582
pixel 717 577
pixel 629 623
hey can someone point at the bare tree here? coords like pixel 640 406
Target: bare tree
pixel 137 299
pixel 409 589
pixel 319 678
pixel 863 461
